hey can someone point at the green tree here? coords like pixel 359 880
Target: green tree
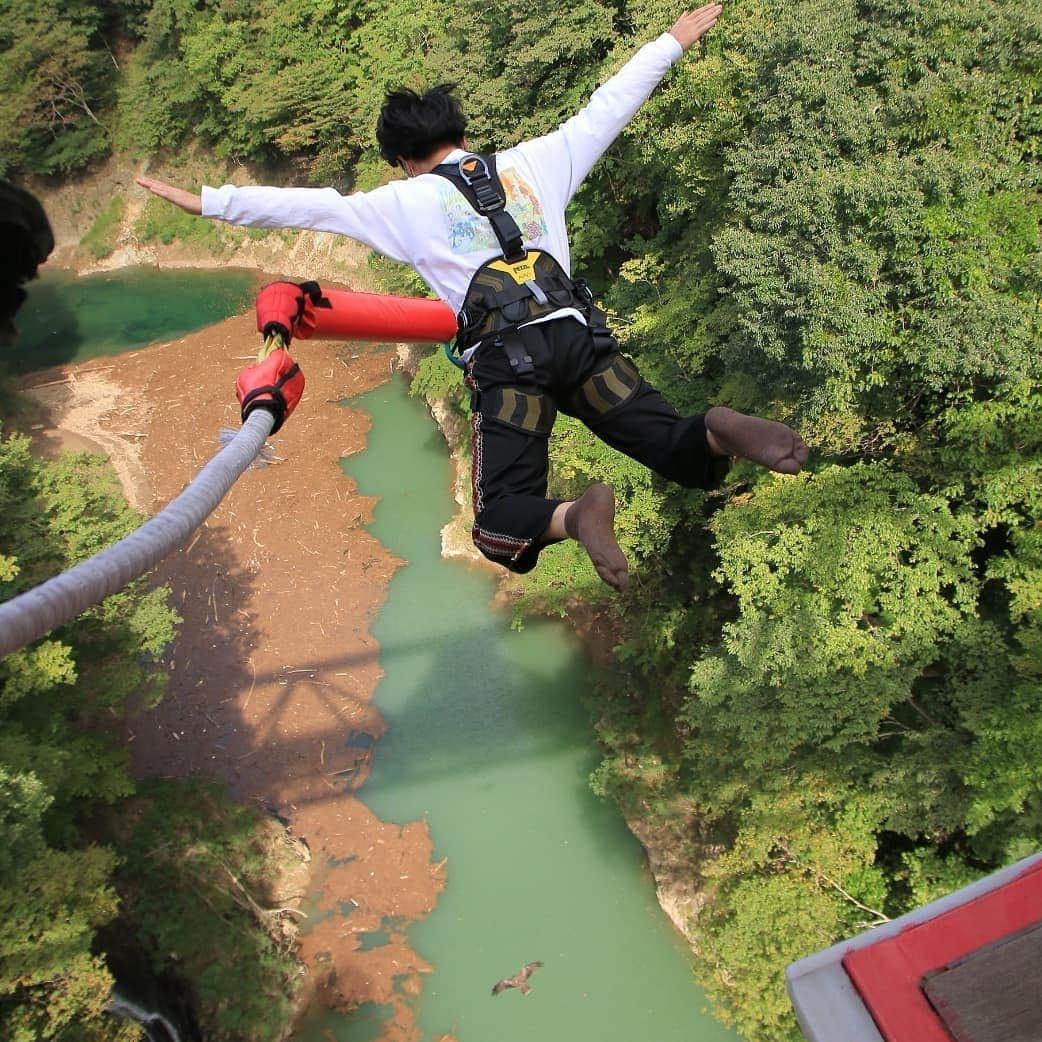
pixel 845 234
pixel 59 760
pixel 196 882
pixel 178 866
pixel 252 81
pixel 56 80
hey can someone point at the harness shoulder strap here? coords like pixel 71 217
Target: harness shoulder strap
pixel 476 177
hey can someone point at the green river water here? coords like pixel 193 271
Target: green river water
pixel 489 740
pixel 488 737
pixel 70 319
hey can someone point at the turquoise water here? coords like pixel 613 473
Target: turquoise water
pixel 70 319
pixel 488 739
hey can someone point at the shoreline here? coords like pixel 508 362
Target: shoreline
pixel 72 407
pixel 679 895
pixel 274 665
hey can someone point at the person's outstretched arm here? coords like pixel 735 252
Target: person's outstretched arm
pixel 581 140
pixel 689 28
pixel 190 202
pixel 369 217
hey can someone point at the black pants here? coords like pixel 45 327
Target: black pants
pixel 583 374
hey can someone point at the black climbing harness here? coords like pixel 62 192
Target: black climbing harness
pixel 511 291
pixel 477 179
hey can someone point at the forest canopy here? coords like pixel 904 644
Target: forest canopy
pixel 98 871
pixel 832 216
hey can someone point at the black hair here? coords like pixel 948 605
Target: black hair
pixel 28 241
pixel 413 126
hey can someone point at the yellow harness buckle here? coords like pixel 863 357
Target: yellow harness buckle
pixel 522 271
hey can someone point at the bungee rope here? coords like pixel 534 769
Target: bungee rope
pixel 268 392
pixel 36 612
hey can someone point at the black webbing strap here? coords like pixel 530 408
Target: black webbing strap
pixel 276 405
pixel 517 354
pixel 475 176
pixel 313 291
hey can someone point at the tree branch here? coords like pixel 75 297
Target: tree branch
pixel 266 916
pixel 880 917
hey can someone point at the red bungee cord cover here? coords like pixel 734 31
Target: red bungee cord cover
pixel 309 312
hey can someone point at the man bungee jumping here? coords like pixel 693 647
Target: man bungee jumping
pixel 531 339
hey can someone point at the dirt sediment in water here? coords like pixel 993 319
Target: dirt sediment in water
pixel 272 676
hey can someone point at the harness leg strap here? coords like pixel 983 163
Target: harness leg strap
pixel 516 352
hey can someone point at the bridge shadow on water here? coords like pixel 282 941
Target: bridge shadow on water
pixel 455 722
pixel 462 695
pixel 477 733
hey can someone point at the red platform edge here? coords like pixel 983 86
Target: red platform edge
pixel 887 974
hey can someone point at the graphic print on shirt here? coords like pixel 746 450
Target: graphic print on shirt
pixel 469 232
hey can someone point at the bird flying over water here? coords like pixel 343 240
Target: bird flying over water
pixel 519 980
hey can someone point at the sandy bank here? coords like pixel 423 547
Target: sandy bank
pixel 272 676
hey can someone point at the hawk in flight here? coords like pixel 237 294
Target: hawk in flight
pixel 519 980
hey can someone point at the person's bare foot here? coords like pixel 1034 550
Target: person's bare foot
pixel 767 442
pixel 591 521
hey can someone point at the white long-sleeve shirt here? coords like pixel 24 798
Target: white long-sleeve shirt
pixel 427 223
